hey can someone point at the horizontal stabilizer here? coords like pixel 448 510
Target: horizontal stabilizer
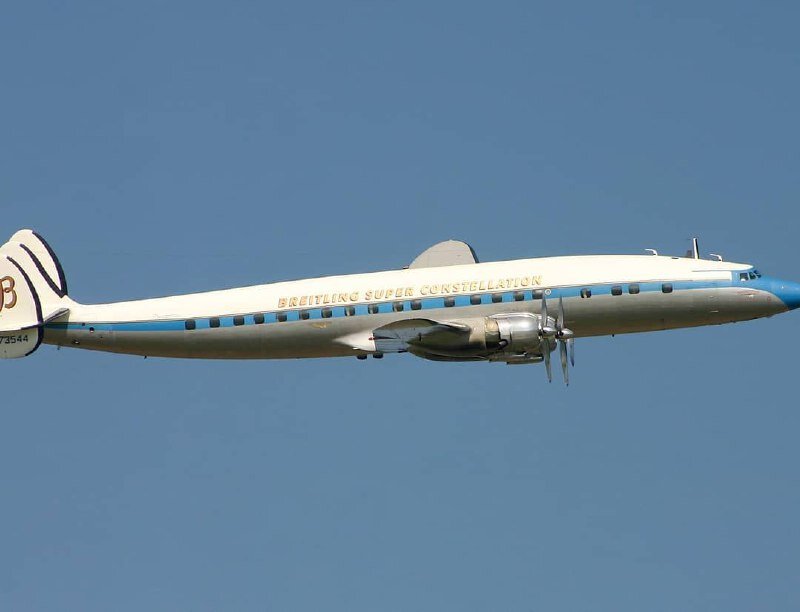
pixel 5 326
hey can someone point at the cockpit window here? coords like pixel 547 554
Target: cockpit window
pixel 755 273
pixel 742 276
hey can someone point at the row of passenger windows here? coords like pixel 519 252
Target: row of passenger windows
pixel 633 289
pixel 349 311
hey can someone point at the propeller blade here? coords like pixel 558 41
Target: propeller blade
pixel 545 329
pixel 546 355
pixel 571 346
pixel 544 310
pixel 560 320
pixel 562 349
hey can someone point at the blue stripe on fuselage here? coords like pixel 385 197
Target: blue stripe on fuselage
pixel 386 307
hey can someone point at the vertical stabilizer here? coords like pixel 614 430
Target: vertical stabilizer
pixel 33 290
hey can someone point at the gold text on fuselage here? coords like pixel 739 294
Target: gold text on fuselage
pixel 412 291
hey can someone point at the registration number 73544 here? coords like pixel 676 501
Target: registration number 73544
pixel 14 339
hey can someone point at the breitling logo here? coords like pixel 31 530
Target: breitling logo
pixel 318 299
pixel 8 295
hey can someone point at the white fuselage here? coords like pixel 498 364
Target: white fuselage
pixel 336 315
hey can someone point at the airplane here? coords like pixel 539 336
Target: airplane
pixel 444 306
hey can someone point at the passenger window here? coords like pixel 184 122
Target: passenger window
pixel 326 313
pixel 497 297
pixel 258 319
pixel 586 293
pixel 449 301
pixel 190 324
pixel 474 300
pixel 213 322
pixel 633 288
pixel 397 306
pixel 373 309
pixel 349 311
pixel 416 304
pixel 666 288
pixel 519 296
pixel 538 293
pixel 616 290
pixel 238 320
pixel 743 276
pixel 281 316
pixel 304 314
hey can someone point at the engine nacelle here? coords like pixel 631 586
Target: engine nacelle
pixel 513 332
pixel 502 337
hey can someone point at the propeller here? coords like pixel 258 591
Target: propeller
pixel 564 336
pixel 546 331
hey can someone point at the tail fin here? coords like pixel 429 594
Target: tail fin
pixel 33 290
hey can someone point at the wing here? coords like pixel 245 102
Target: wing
pixel 401 336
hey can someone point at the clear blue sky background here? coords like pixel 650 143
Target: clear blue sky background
pixel 167 147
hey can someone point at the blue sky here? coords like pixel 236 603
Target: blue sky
pixel 174 147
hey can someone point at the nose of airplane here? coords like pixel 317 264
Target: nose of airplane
pixel 788 292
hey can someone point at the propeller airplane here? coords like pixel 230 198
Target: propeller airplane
pixel 444 306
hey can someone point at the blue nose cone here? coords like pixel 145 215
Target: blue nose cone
pixel 788 292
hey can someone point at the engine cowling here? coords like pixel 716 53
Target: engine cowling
pixel 512 333
pixel 497 338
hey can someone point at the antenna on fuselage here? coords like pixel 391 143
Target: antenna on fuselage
pixel 652 251
pixel 694 252
pixel 716 256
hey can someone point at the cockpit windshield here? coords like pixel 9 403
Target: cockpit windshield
pixel 751 275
